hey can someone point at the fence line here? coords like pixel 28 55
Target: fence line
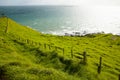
pixel 30 42
pixel 56 48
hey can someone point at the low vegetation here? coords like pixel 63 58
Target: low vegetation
pixel 26 54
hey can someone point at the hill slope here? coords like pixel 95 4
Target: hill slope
pixel 26 54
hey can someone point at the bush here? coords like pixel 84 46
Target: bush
pixel 3 71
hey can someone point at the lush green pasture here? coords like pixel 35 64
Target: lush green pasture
pixel 26 54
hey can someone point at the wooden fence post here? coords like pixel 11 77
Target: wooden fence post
pixel 119 77
pixel 72 53
pixel 84 58
pixel 39 44
pixel 6 25
pixel 45 46
pixel 99 66
pixel 63 51
pixel 49 47
pixel 27 41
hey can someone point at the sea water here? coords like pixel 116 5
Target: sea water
pixel 66 19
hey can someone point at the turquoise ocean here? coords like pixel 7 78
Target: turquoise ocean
pixel 66 19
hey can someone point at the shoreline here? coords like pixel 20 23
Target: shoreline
pixel 78 34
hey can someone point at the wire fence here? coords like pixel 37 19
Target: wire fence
pixel 49 47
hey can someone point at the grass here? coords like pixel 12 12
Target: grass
pixel 26 54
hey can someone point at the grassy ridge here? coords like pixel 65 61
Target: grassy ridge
pixel 26 54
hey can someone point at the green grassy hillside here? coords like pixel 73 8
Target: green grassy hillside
pixel 26 54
